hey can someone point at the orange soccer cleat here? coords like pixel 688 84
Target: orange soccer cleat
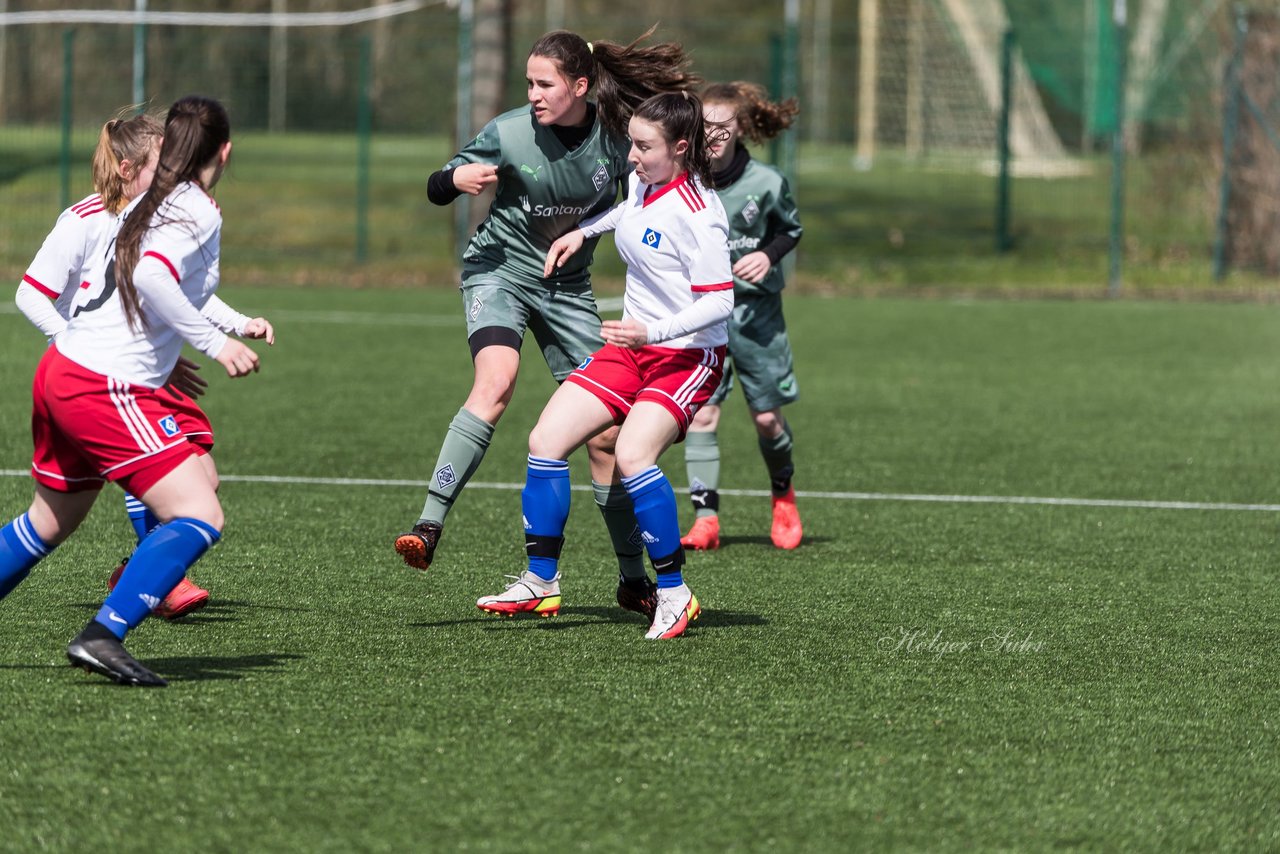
pixel 786 532
pixel 704 535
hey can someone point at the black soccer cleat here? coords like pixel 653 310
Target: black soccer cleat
pixel 96 650
pixel 639 595
pixel 418 546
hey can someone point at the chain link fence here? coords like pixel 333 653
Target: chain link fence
pixel 896 155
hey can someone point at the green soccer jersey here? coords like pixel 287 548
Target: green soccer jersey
pixel 544 190
pixel 760 207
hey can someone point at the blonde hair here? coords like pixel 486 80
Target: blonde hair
pixel 126 137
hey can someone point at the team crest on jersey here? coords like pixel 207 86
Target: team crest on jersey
pixel 652 238
pixel 169 425
pixel 751 211
pixel 445 476
pixel 601 177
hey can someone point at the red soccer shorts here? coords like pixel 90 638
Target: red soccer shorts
pixel 89 428
pixel 680 380
pixel 191 418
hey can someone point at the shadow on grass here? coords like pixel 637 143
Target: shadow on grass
pixel 213 668
pixel 765 541
pixel 574 617
pixel 217 611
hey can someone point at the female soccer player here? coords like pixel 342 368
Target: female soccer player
pixel 97 412
pixel 124 163
pixel 658 365
pixel 763 227
pixel 555 162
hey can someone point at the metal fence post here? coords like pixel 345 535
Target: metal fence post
pixel 1003 240
pixel 64 159
pixel 1230 118
pixel 364 130
pixel 1117 153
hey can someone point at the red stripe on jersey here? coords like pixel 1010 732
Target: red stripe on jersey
pixel 719 286
pixel 88 207
pixel 41 288
pixel 172 269
pixel 652 194
pixel 692 197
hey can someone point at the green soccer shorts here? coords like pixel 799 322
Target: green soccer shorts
pixel 759 354
pixel 564 322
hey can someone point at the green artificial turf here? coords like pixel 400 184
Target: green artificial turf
pixel 940 675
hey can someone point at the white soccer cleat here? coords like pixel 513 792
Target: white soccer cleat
pixel 528 593
pixel 677 607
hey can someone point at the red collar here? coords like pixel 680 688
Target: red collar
pixel 653 194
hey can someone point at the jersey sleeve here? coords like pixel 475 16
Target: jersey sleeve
pixel 704 251
pixel 157 280
pixel 485 148
pixel 784 224
pixel 39 309
pixel 224 316
pixel 61 256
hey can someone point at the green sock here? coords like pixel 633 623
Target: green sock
pixel 702 462
pixel 620 519
pixel 777 459
pixel 464 446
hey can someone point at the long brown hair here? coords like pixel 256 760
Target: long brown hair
pixel 758 117
pixel 679 115
pixel 129 136
pixel 194 131
pixel 623 75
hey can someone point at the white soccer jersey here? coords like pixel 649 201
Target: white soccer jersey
pixel 674 240
pixel 54 273
pixel 175 277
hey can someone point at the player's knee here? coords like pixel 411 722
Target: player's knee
pixel 769 424
pixel 602 445
pixel 632 461
pixel 705 419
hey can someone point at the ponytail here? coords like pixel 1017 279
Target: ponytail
pixel 623 75
pixel 759 119
pixel 195 130
pixel 126 137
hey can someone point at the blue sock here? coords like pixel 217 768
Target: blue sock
pixel 142 519
pixel 155 568
pixel 20 549
pixel 655 504
pixel 545 502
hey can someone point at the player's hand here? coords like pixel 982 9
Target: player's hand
pixel 472 178
pixel 752 267
pixel 625 333
pixel 237 358
pixel 260 327
pixel 183 379
pixel 562 250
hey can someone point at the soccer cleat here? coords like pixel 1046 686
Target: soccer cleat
pixel 96 650
pixel 786 532
pixel 184 599
pixel 527 594
pixel 704 535
pixel 639 595
pixel 677 607
pixel 418 546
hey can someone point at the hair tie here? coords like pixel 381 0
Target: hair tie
pixel 590 48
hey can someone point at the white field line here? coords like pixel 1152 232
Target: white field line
pixel 372 318
pixel 761 493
